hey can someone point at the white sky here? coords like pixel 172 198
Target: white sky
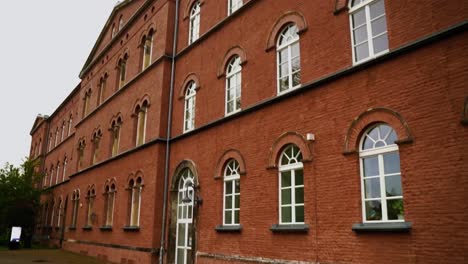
pixel 43 46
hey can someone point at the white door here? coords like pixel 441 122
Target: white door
pixel 184 233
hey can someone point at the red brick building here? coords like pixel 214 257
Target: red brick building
pixel 264 131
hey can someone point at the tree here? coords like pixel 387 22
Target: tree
pixel 19 198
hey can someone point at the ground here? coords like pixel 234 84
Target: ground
pixel 46 256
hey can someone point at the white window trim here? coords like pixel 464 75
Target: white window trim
pixel 194 22
pixel 279 48
pixel 378 152
pixel 292 168
pixel 233 74
pixel 231 178
pixel 352 10
pixel 64 169
pixel 190 95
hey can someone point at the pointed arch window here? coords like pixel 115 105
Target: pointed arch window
pixel 81 148
pixel 381 190
pixel 52 214
pixel 51 175
pixel 231 204
pixel 76 204
pixel 189 113
pixel 57 171
pixel 368 29
pixel 291 183
pixel 64 173
pixel 121 23
pixel 289 59
pixel 56 137
pixel 70 124
pixel 96 144
pixel 91 195
pixel 135 187
pixel 109 207
pixel 63 131
pixel 102 89
pixel 115 134
pixel 86 99
pixel 194 27
pixel 233 85
pixel 59 212
pixel 141 113
pixel 122 66
pixel 147 43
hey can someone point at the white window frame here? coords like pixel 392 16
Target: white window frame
pixel 234 5
pixel 194 22
pixel 377 152
pixel 231 174
pixel 282 46
pixel 365 4
pixel 190 106
pixel 292 167
pixel 233 73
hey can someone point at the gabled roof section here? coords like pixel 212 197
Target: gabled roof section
pixel 107 27
pixel 38 122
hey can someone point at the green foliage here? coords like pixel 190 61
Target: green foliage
pixel 19 199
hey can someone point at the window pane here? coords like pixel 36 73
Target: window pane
pixel 359 18
pixel 284 84
pixel 391 163
pixel 285 196
pixel 189 207
pixel 236 217
pixel 380 43
pixel 228 204
pixel 286 214
pixel 395 209
pixel 362 51
pixel 228 217
pixel 228 187
pixel 283 55
pixel 371 166
pixel 373 210
pixel 372 187
pixel 296 78
pixel 284 70
pixel 285 178
pixel 299 213
pixel 295 51
pixel 180 256
pixel 379 26
pixel 299 177
pixel 296 64
pixel 360 34
pixel 377 9
pixel 237 201
pixel 237 183
pixel 391 138
pixel 299 195
pixel 393 185
pixel 181 235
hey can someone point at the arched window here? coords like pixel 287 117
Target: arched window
pixel 382 196
pixel 233 5
pixel 86 99
pixel 102 88
pixel 44 184
pixel 57 171
pixel 63 131
pixel 109 207
pixel 141 112
pixel 291 183
pixel 81 147
pixel 56 137
pixel 52 213
pixel 233 85
pixel 65 161
pixel 96 142
pixel 289 59
pixel 185 229
pixel 121 23
pixel 70 123
pixel 59 212
pixel 147 43
pixel 51 175
pixel 91 195
pixel 122 71
pixel 368 29
pixel 76 204
pixel 231 204
pixel 189 113
pixel 115 134
pixel 135 187
pixel 113 31
pixel 51 142
pixel 194 27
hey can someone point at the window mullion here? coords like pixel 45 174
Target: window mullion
pixel 290 66
pixel 369 31
pixel 293 196
pixel 383 196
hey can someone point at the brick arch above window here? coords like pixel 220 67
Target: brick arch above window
pixel 189 5
pixel 150 29
pixel 287 18
pixel 465 113
pixel 228 155
pixel 190 77
pixel 185 164
pixel 134 176
pixel 372 116
pixel 230 53
pixel 144 101
pixel 122 57
pixel 116 119
pixel 284 140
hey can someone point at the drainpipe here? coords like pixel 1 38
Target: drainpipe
pixel 168 135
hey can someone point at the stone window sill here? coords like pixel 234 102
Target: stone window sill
pixel 295 228
pixel 399 227
pixel 228 229
pixel 87 228
pixel 105 228
pixel 131 228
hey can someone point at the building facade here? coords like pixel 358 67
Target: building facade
pixel 264 131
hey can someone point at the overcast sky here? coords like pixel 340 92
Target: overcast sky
pixel 43 46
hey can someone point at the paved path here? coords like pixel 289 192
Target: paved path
pixel 45 256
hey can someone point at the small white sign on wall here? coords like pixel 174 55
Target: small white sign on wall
pixel 15 233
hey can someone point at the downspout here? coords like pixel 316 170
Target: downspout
pixel 168 134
